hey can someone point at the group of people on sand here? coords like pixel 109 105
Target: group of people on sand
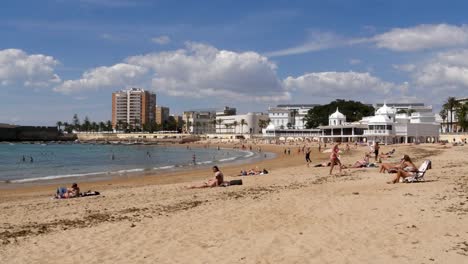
pixel 255 171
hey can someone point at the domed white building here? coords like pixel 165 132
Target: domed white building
pixel 386 126
pixel 389 127
pixel 336 118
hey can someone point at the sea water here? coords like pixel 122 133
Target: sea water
pixel 32 162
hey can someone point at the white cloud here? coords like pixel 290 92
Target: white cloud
pixel 423 37
pixel 161 40
pixel 198 70
pixel 318 41
pixel 445 74
pixel 116 76
pixel 18 67
pixel 356 85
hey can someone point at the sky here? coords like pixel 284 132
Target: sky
pixel 61 57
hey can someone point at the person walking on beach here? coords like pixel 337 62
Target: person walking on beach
pixel 307 157
pixel 334 159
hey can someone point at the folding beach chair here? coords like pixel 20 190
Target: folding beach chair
pixel 419 175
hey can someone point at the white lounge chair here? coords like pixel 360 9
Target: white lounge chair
pixel 419 175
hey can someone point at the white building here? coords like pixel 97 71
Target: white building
pixel 386 126
pixel 289 116
pixel 240 124
pixel 199 121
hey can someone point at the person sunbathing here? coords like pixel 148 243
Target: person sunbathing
pixel 63 192
pixel 406 169
pixel 217 180
pixel 361 163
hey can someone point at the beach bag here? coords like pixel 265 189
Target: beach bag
pixel 235 182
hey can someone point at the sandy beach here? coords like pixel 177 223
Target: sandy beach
pixel 295 214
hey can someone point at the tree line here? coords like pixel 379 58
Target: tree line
pixel 91 126
pixel 453 109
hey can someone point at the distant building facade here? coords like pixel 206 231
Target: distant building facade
pixel 134 107
pixel 240 124
pixel 289 116
pixel 200 121
pixel 161 114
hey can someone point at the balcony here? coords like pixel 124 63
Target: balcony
pixel 378 132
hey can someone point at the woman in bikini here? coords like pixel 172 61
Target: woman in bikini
pixel 334 160
pixel 407 169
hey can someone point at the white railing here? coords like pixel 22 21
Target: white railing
pixel 377 132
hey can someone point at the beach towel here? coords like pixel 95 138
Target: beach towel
pixel 90 193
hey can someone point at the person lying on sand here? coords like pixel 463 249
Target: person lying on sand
pixel 361 163
pixel 406 169
pixel 63 192
pixel 217 180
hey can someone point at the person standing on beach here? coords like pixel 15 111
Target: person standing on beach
pixel 307 157
pixel 31 159
pixel 24 158
pixel 376 150
pixel 334 159
pixel 194 159
pixel 320 147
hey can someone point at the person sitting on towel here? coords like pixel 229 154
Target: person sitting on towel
pixel 217 180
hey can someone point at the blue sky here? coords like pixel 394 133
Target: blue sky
pixel 60 57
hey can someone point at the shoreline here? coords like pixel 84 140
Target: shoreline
pixel 184 175
pixel 295 214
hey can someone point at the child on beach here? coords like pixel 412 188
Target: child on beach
pixel 307 157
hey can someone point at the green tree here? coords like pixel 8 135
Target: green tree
pixel 198 125
pixel 235 124
pixel 243 123
pixel 450 105
pixel 76 122
pixel 59 125
pixel 354 111
pixel 294 113
pixel 462 116
pixel 108 125
pixel 219 122
pixel 86 124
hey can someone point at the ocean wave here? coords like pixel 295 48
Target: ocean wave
pixel 228 159
pixel 165 167
pixel 249 154
pixel 57 177
pixel 130 170
pixel 205 162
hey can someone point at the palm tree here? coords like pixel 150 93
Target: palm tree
pixel 102 126
pixel 263 123
pixel 235 123
pixel 227 126
pixel 450 105
pixel 242 123
pixel 197 125
pixel 189 125
pixel 443 115
pixel 59 124
pixel 294 112
pixel 109 125
pixel 462 114
pixel 219 121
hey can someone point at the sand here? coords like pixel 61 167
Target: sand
pixel 294 214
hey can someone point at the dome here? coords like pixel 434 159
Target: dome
pixel 379 119
pixel 385 110
pixel 270 127
pixel 337 115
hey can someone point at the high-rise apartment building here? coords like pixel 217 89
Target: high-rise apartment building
pixel 134 107
pixel 162 114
